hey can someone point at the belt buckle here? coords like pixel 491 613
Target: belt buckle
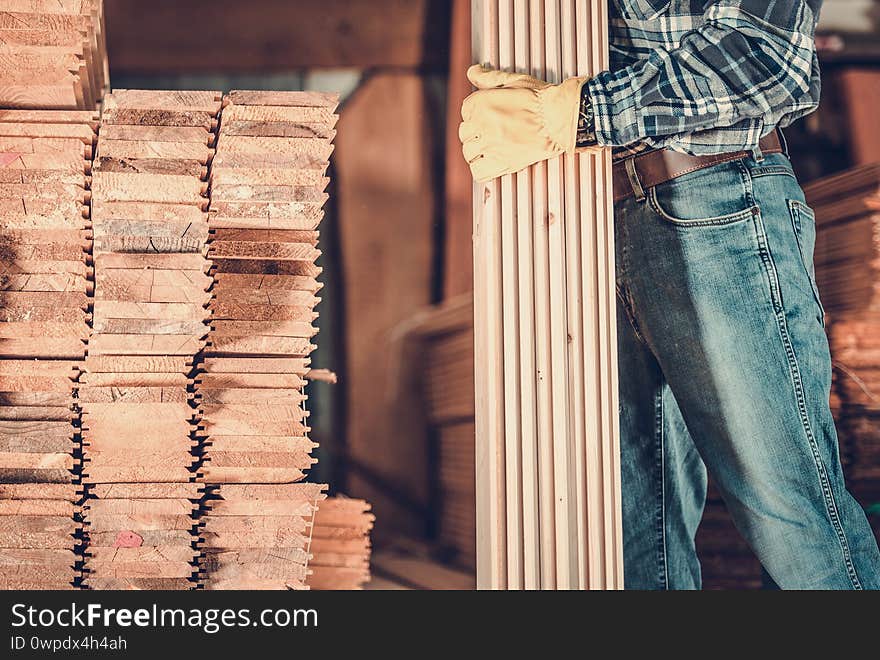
pixel 629 165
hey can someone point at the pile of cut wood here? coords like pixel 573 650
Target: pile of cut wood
pixel 847 209
pixel 53 54
pixel 150 320
pixel 163 443
pixel 44 287
pixel 340 544
pixel 267 193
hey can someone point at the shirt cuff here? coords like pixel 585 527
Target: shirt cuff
pixel 609 113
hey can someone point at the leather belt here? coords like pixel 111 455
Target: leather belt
pixel 636 174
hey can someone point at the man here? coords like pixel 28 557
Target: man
pixel 724 361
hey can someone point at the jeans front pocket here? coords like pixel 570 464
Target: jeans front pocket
pixel 712 196
pixel 803 222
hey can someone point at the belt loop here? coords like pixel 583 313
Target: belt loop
pixel 630 166
pixel 757 154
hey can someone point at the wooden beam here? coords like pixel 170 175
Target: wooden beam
pixel 276 35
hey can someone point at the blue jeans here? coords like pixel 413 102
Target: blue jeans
pixel 724 365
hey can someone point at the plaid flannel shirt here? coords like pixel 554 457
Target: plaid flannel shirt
pixel 704 77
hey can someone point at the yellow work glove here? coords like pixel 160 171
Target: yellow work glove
pixel 514 120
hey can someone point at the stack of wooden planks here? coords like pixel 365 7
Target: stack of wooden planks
pixel 44 287
pixel 187 409
pixel 847 208
pixel 340 545
pixel 267 196
pixel 548 487
pixel 150 320
pixel 53 54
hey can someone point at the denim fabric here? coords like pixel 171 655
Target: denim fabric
pixel 724 365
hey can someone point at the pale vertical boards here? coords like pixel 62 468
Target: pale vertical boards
pixel 547 452
pixel 45 160
pixel 385 202
pixel 149 323
pixel 340 545
pixel 53 54
pixel 267 196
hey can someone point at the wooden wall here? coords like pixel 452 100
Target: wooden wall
pixel 275 35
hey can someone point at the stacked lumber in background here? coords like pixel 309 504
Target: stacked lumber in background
pixel 44 285
pixel 548 485
pixel 443 340
pixel 53 54
pixel 267 197
pixel 139 415
pixel 847 208
pixel 340 545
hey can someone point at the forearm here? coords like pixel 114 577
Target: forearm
pixel 748 61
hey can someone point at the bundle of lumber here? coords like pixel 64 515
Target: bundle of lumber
pixel 267 193
pixel 847 208
pixel 150 320
pixel 44 286
pixel 548 486
pixel 340 545
pixel 53 54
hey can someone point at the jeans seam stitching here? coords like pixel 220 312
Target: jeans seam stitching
pixel 794 372
pixel 661 465
pixel 795 209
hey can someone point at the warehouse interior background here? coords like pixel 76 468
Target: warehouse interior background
pixel 395 322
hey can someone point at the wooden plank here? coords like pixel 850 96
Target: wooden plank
pixel 190 491
pixel 150 99
pixel 510 344
pixel 150 150
pixel 166 189
pixel 489 366
pixel 83 117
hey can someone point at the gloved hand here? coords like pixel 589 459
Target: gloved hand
pixel 514 120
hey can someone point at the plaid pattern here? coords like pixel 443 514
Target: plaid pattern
pixel 704 77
